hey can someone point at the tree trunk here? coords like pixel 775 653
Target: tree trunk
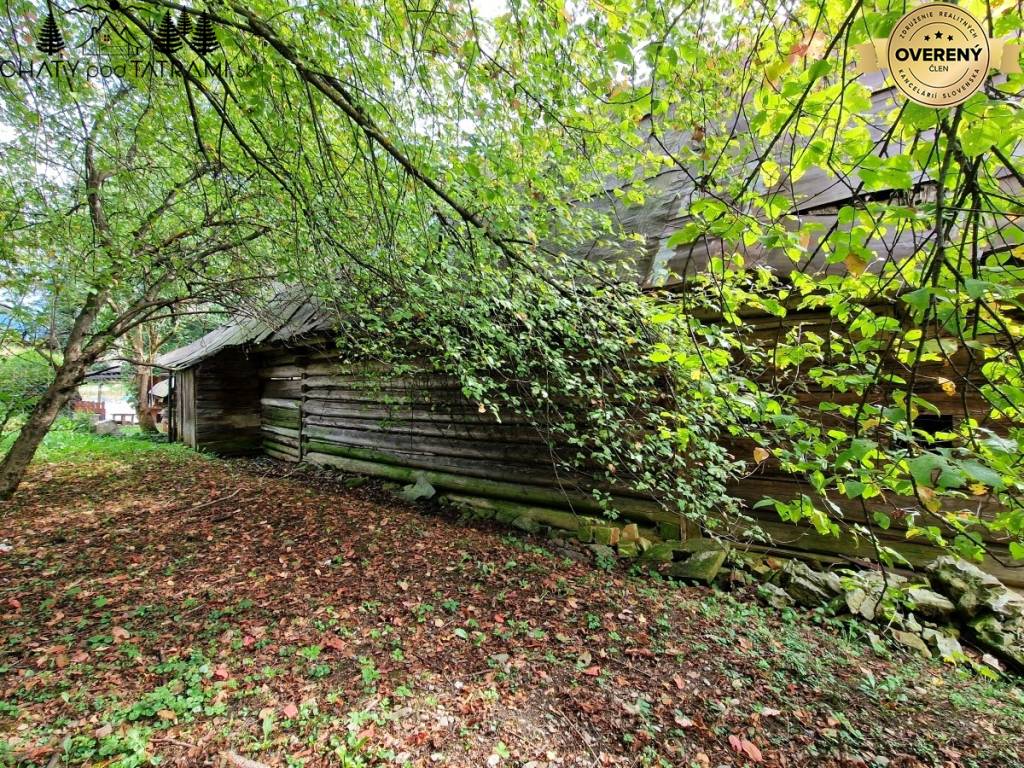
pixel 143 383
pixel 14 464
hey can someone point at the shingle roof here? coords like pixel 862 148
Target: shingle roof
pixel 292 314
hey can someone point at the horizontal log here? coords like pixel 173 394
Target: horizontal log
pixel 509 433
pixel 949 404
pixel 292 426
pixel 785 488
pixel 396 384
pixel 919 554
pixel 534 473
pixel 272 437
pixel 489 448
pixel 281 416
pixel 482 468
pixel 284 431
pixel 280 455
pixel 633 509
pixel 280 402
pixel 467 414
pixel 278 358
pixel 371 369
pixel 556 518
pixel 407 397
pixel 281 372
pixel 275 445
pixel 288 388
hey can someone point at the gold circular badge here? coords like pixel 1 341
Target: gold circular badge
pixel 938 55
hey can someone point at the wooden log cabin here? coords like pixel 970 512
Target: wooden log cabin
pixel 277 387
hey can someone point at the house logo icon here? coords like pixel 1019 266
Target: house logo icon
pixel 115 38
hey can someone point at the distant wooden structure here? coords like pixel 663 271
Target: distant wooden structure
pixel 276 386
pixel 88 406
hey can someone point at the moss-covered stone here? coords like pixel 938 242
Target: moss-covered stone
pixel 528 524
pixel 913 641
pixel 630 532
pixel 628 549
pixel 417 491
pixel 974 591
pixel 701 544
pixel 662 552
pixel 670 531
pixel 702 565
pixel 606 535
pixel 930 605
pixel 774 596
pixel 505 517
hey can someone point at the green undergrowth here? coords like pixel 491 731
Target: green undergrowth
pixel 70 442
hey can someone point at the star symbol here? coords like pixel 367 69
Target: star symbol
pixel 938 35
pixel 927 37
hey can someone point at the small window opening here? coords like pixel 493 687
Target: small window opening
pixel 934 424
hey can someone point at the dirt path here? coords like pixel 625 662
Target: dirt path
pixel 187 607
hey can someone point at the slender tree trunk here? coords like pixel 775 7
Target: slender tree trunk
pixel 57 395
pixel 143 383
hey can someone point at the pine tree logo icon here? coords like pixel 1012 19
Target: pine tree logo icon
pixel 167 37
pixel 184 24
pixel 204 39
pixel 50 41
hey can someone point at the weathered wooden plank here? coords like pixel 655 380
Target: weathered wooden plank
pixel 283 431
pixel 280 372
pixel 491 448
pixel 467 414
pixel 280 402
pixel 399 383
pixel 274 437
pixel 282 417
pixel 556 518
pixel 510 433
pixel 279 447
pixel 785 487
pixel 274 453
pixel 532 474
pixel 286 388
pixel 394 397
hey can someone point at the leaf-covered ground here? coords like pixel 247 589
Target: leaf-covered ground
pixel 166 607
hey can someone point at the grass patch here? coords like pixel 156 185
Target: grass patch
pixel 71 443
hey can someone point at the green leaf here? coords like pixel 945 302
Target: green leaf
pixel 918 299
pixel 982 474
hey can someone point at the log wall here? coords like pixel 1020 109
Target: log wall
pixel 220 404
pixel 313 409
